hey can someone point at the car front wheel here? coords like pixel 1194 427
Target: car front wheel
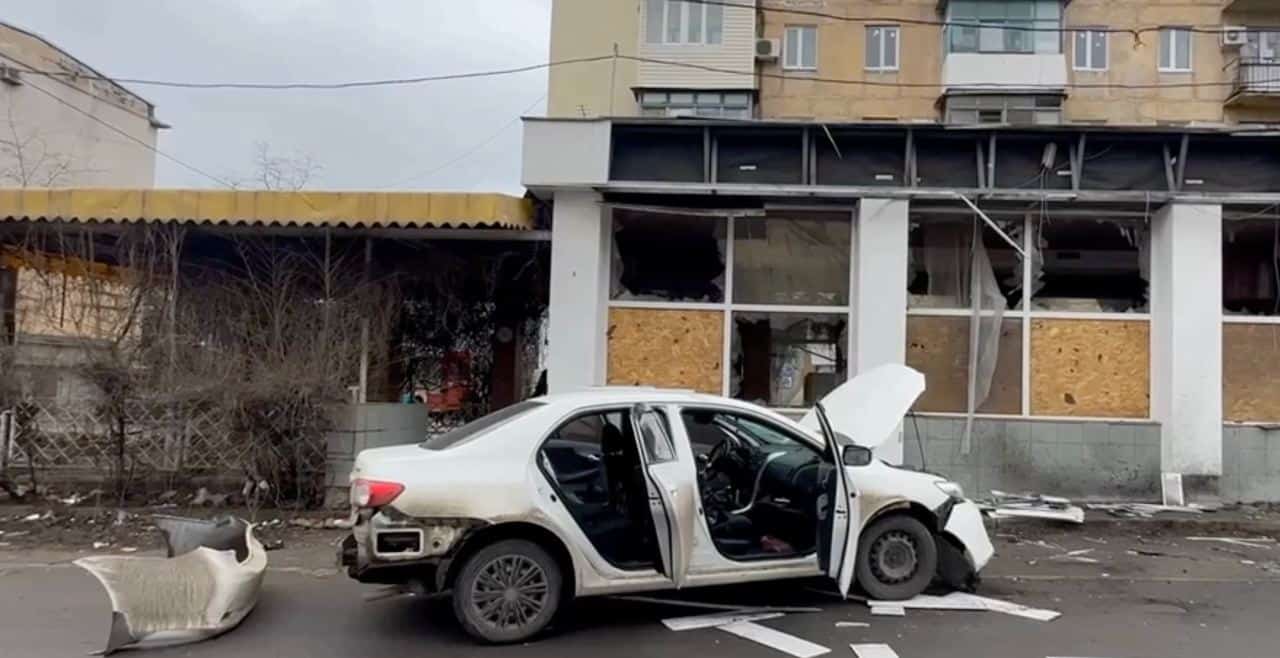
pixel 507 591
pixel 897 557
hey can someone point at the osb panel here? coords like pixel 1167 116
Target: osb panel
pixel 1251 372
pixel 667 348
pixel 1091 368
pixel 939 348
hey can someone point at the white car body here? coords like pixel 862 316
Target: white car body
pixel 494 480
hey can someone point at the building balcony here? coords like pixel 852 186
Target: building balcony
pixel 1257 82
pixel 1006 71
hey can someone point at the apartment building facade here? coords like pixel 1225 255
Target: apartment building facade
pixel 1063 213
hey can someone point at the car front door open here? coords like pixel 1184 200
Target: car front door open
pixel 840 514
pixel 672 491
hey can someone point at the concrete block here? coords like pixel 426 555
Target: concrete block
pixel 1245 438
pixel 1072 433
pixel 1120 434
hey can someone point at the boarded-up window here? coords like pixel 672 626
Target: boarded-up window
pixel 1094 368
pixel 938 346
pixel 666 348
pixel 1251 372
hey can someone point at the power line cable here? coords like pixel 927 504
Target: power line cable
pixel 126 135
pixel 469 152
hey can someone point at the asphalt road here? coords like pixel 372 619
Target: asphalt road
pixel 1193 601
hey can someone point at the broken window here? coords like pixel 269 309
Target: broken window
pixel 938 274
pixel 1250 270
pixel 1093 266
pixel 792 258
pixel 787 359
pixel 667 257
pixel 8 295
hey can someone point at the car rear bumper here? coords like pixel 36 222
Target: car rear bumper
pixel 388 547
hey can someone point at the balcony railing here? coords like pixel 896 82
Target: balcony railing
pixel 1257 76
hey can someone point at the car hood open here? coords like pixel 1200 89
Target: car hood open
pixel 869 407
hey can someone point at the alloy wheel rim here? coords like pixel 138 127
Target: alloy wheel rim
pixel 509 591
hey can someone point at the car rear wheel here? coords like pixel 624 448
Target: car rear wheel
pixel 897 557
pixel 507 591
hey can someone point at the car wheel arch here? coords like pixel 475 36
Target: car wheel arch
pixel 909 508
pixel 478 539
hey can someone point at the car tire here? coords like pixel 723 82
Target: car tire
pixel 897 558
pixel 507 591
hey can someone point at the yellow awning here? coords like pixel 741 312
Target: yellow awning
pixel 269 208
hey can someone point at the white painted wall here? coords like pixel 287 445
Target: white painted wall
pixel 1186 336
pixel 566 152
pixel 579 284
pixel 52 122
pixel 880 285
pixel 735 53
pixel 1025 70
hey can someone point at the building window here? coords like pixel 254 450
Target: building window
pixel 1016 110
pixel 763 298
pixel 725 104
pixel 882 48
pixel 1175 49
pixel 801 48
pixel 1004 26
pixel 680 22
pixel 1091 50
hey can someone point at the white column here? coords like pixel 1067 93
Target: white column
pixel 579 288
pixel 880 293
pixel 1186 339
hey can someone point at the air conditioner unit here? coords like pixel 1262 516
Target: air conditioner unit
pixel 768 49
pixel 10 75
pixel 1234 36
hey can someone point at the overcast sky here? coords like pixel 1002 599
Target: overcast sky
pixel 364 138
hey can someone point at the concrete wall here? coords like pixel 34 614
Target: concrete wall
pixel 590 28
pixel 359 427
pixel 1084 460
pixel 52 122
pixel 1251 463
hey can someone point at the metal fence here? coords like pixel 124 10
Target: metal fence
pixel 1257 76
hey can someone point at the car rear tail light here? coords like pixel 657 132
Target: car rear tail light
pixel 374 493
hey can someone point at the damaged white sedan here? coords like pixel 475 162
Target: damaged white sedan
pixel 621 490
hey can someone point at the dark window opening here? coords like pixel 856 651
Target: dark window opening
pixel 759 485
pixel 940 258
pixel 660 257
pixel 787 359
pixel 1250 270
pixel 1092 266
pixel 645 153
pixel 774 157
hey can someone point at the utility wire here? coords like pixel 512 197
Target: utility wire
pixel 469 152
pixel 994 86
pixel 901 20
pixel 126 135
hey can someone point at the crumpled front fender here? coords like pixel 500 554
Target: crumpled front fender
pixel 207 585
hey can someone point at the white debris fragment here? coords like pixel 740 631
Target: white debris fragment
pixel 873 651
pixel 852 624
pixel 962 601
pixel 31 517
pixel 711 621
pixel 1018 610
pixel 99 545
pixel 1171 489
pixel 888 611
pixel 1032 506
pixel 789 644
pixel 1247 542
pixel 129 549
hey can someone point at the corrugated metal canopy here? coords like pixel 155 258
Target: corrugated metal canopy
pixel 268 208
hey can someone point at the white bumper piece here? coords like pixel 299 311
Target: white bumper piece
pixel 965 524
pixel 206 586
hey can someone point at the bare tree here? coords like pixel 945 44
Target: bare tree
pixel 26 160
pixel 273 171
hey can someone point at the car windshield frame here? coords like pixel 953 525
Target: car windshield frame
pixel 480 426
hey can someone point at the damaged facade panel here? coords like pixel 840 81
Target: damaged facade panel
pixel 648 153
pixel 1127 163
pixel 760 156
pixel 949 161
pixel 848 158
pixel 938 346
pixel 1238 165
pixel 1032 162
pixel 1092 368
pixel 669 348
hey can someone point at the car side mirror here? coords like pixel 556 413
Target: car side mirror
pixel 857 456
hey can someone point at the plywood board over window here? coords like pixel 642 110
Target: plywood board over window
pixel 1251 372
pixel 1098 368
pixel 667 348
pixel 939 347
